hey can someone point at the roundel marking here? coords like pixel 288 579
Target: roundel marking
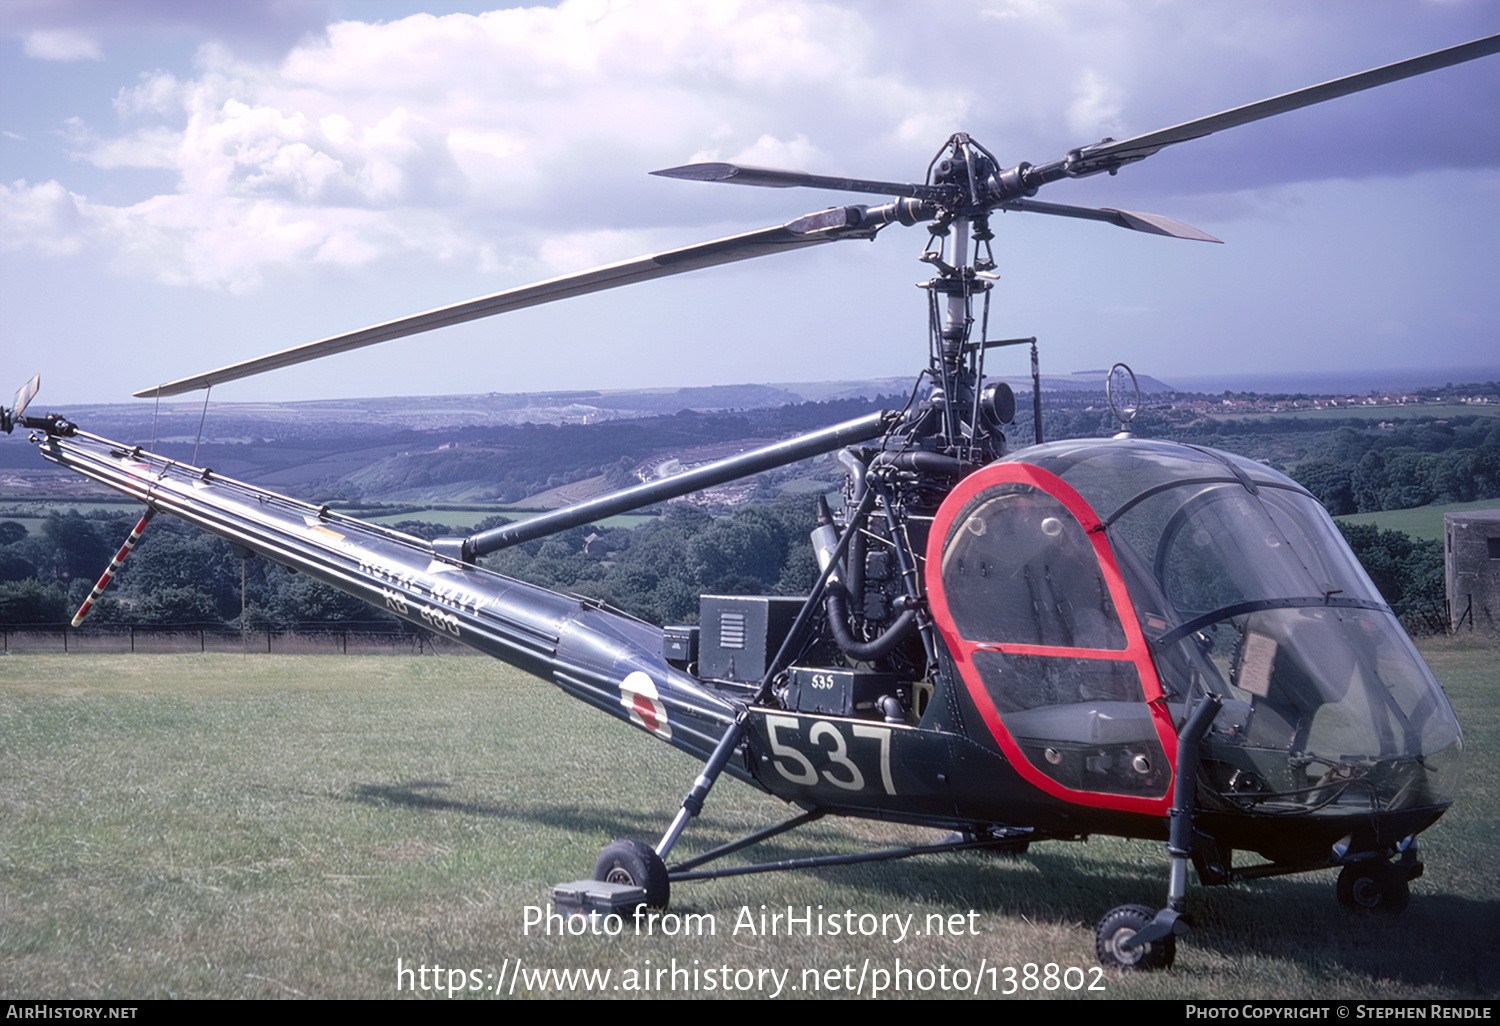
pixel 640 698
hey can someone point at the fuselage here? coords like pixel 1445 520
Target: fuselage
pixel 1083 597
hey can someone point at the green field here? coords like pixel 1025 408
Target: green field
pixel 291 826
pixel 466 518
pixel 1376 413
pixel 31 515
pixel 1424 522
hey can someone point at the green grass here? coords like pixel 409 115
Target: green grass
pixel 1422 522
pixel 285 826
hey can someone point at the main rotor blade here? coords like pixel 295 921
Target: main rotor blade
pixel 1106 156
pixel 825 226
pixel 771 178
pixel 1154 224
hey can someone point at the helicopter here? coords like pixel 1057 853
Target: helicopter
pixel 1114 636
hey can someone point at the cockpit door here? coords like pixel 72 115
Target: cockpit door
pixel 1030 600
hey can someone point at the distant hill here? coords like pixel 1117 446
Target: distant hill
pixel 507 448
pixel 230 423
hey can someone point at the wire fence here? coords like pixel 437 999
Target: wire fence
pixel 341 639
pixel 357 638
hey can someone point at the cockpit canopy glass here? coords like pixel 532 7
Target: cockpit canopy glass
pixel 1244 588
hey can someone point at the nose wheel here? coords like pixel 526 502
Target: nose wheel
pixel 1115 940
pixel 1375 885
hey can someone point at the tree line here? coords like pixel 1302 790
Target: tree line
pixel 178 575
pixel 1411 465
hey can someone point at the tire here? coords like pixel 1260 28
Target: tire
pixel 1120 925
pixel 635 863
pixel 1374 886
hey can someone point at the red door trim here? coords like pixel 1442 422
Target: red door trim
pixel 1135 650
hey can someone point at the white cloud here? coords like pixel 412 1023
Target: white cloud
pixel 497 125
pixel 574 250
pixel 150 147
pixel 472 139
pixel 46 218
pixel 1095 110
pixel 158 93
pixel 62 45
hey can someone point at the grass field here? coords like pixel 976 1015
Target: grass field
pixel 291 826
pixel 1424 522
pixel 467 518
pixel 1376 413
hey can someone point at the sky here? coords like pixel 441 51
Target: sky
pixel 184 185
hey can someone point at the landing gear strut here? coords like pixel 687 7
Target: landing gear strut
pixel 1133 936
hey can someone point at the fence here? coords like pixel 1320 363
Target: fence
pixel 330 640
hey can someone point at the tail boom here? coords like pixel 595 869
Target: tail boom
pixel 601 656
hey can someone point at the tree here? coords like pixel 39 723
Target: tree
pixel 1407 571
pixel 32 602
pixel 1329 483
pixel 76 546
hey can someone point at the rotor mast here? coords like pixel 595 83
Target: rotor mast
pixel 958 230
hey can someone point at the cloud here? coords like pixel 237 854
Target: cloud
pixel 475 139
pixel 481 127
pixel 62 45
pixel 152 147
pixel 1095 110
pixel 46 218
pixel 265 27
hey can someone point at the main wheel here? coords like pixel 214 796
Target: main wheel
pixel 635 863
pixel 1120 925
pixel 1374 885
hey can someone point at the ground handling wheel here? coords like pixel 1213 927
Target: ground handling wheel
pixel 1374 884
pixel 1118 926
pixel 636 863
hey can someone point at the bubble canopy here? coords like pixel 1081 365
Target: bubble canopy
pixel 1090 591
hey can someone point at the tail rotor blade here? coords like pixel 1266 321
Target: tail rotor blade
pixel 27 393
pixel 11 417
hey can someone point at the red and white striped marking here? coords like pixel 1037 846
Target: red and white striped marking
pixel 114 565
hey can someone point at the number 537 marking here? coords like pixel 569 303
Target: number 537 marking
pixel 828 742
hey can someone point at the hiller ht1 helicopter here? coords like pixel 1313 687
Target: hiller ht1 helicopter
pixel 1119 636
